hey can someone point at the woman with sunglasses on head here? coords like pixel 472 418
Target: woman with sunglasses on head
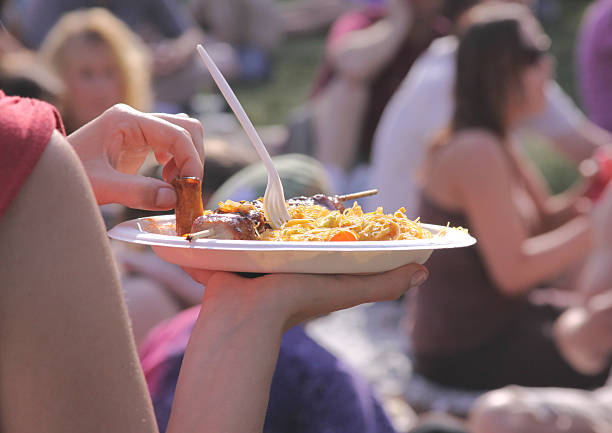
pixel 475 324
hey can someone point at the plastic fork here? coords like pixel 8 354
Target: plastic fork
pixel 275 208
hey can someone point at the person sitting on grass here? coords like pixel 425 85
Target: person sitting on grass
pixel 475 324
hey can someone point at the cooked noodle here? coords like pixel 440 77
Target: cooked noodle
pixel 317 223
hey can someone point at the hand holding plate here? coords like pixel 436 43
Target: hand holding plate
pixel 294 298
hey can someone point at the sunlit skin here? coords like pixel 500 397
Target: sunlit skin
pixel 92 81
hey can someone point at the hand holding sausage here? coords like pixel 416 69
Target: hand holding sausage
pixel 114 146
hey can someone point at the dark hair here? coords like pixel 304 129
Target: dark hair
pixel 453 9
pixel 491 56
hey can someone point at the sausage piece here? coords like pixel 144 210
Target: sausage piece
pixel 189 203
pixel 234 226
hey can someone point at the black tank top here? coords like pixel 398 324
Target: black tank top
pixel 459 306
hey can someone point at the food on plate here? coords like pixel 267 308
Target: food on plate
pixel 246 220
pixel 232 220
pixel 316 218
pixel 317 223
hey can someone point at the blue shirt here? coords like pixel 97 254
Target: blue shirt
pixel 165 17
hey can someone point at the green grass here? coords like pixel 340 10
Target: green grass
pixel 291 81
pixel 558 171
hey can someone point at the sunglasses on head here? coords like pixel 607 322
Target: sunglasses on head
pixel 534 54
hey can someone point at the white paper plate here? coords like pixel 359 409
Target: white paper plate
pixel 294 257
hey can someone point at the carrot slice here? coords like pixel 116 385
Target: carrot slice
pixel 344 235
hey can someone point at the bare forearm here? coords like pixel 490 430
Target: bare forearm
pixel 549 254
pixel 563 207
pixel 543 257
pixel 581 143
pixel 227 371
pixel 228 365
pixel 363 53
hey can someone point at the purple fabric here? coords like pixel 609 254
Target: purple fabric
pixel 595 63
pixel 312 391
pixel 141 15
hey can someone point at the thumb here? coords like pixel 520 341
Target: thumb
pixel 135 191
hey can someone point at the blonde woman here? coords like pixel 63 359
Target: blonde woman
pixel 101 63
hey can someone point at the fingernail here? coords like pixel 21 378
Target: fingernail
pixel 418 278
pixel 166 197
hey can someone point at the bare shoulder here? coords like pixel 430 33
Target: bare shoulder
pixel 58 153
pixel 56 196
pixel 62 315
pixel 59 176
pixel 474 155
pixel 472 164
pixel 54 172
pixel 57 181
pixel 465 145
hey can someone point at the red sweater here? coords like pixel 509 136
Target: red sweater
pixel 25 129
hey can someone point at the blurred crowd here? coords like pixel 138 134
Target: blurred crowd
pixel 431 102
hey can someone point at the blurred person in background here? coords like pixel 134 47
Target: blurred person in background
pixel 594 62
pixel 476 323
pixel 8 42
pixel 516 409
pixel 251 27
pixel 368 52
pixel 423 105
pixel 101 63
pixel 584 333
pixel 157 19
pixel 21 72
pixel 310 16
pixel 164 26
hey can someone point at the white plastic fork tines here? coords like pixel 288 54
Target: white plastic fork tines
pixel 275 208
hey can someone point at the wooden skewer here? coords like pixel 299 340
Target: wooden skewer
pixel 199 235
pixel 356 195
